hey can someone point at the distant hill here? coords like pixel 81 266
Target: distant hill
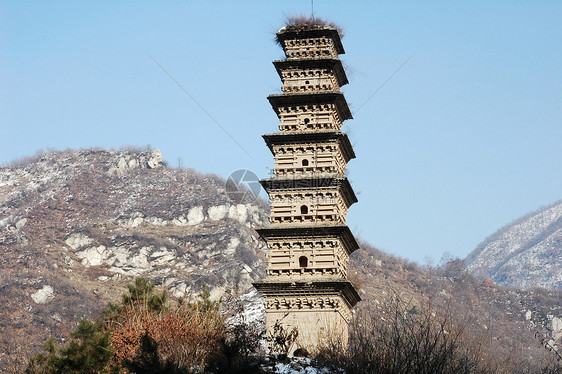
pixel 77 226
pixel 525 253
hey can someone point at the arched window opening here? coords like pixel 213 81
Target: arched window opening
pixel 305 162
pixel 303 261
pixel 306 121
pixel 300 352
pixel 304 209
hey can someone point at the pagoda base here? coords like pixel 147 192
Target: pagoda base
pixel 318 313
pixel 315 328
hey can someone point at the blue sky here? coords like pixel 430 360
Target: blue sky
pixel 464 138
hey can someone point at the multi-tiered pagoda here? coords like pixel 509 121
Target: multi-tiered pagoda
pixel 306 288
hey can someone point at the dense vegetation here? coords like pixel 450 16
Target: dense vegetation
pixel 150 333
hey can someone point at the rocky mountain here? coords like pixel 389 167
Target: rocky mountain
pixel 525 253
pixel 77 226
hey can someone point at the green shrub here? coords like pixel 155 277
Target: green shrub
pixel 89 351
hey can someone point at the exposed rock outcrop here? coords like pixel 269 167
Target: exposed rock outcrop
pixel 44 296
pixel 131 161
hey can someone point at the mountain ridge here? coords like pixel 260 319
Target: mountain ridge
pixel 524 253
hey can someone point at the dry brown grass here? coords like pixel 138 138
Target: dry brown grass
pixel 187 336
pixel 305 23
pixel 400 336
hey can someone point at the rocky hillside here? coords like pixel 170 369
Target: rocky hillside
pixel 77 226
pixel 525 253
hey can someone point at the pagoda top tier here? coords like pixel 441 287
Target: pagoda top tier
pixel 310 38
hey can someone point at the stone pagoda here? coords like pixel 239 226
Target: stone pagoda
pixel 307 293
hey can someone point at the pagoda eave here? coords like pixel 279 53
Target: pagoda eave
pixel 333 287
pixel 331 33
pixel 330 63
pixel 327 97
pixel 325 181
pixel 300 137
pixel 281 231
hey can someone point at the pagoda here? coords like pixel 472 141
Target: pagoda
pixel 307 294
